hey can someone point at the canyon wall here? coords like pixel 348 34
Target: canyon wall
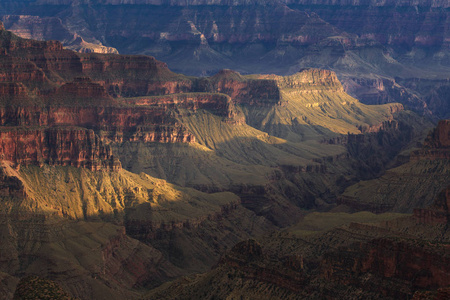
pixel 57 146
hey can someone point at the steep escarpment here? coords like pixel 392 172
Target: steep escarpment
pixel 66 146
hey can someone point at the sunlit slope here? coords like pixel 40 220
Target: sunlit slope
pixel 314 105
pixel 86 228
pixel 77 193
pixel 276 138
pixel 224 155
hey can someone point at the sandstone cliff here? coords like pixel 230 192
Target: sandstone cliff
pixel 66 146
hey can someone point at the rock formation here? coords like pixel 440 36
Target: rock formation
pixel 65 146
pixel 396 258
pixel 437 144
pixel 78 128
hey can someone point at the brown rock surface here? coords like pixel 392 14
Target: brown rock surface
pixel 63 146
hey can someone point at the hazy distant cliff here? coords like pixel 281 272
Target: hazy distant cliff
pixel 381 50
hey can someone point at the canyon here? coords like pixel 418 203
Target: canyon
pixel 382 51
pixel 122 179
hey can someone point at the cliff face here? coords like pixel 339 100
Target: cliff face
pixel 32 133
pixel 386 90
pixel 57 146
pixel 246 91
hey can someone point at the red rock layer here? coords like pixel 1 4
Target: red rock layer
pixel 82 87
pixel 246 91
pixel 66 146
pixel 219 104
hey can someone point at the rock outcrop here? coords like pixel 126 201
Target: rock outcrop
pixel 246 91
pixel 66 146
